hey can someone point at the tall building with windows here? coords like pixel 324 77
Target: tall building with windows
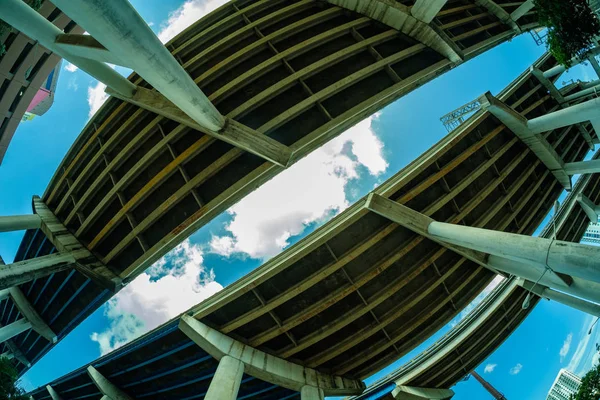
pixel 592 234
pixel 565 384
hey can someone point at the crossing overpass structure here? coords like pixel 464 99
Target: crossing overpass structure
pixel 475 338
pixel 24 67
pixel 277 79
pixel 368 286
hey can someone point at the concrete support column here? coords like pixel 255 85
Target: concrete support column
pixel 11 330
pixel 19 222
pixel 566 299
pixel 22 17
pixel 582 167
pixel 53 393
pixel 573 302
pixel 585 92
pixel 565 257
pixel 119 28
pixel 311 393
pixel 590 209
pixel 418 393
pixel 522 10
pixel 106 387
pixel 426 10
pixel 226 382
pixel 582 112
pixel 559 69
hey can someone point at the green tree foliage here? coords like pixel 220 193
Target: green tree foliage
pixel 590 385
pixel 572 27
pixel 8 382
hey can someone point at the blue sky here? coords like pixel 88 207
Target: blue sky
pixel 240 240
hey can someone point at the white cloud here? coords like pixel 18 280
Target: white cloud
pixel 516 369
pixel 585 355
pixel 71 67
pixel 96 97
pixel 172 285
pixel 72 83
pixel 564 350
pixel 489 368
pixel 480 297
pixel 308 192
pixel 190 12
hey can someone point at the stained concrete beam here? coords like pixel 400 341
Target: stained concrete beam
pixel 265 366
pixel 19 222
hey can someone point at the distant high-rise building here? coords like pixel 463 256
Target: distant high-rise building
pixel 592 234
pixel 565 384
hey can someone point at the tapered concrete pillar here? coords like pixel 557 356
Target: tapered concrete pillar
pixel 582 167
pixel 119 28
pixel 226 382
pixel 584 92
pixel 522 10
pixel 11 330
pixel 22 17
pixel 311 393
pixel 426 10
pixel 565 257
pixel 19 222
pixel 106 387
pixel 591 210
pixel 53 393
pixel 563 298
pixel 586 111
pixel 419 393
pixel 559 69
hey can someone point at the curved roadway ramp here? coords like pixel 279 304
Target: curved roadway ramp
pixel 135 184
pixel 475 338
pixel 23 70
pixel 361 291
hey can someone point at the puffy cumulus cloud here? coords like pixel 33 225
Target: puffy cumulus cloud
pixel 71 67
pixel 564 350
pixel 480 297
pixel 96 97
pixel 308 192
pixel 516 369
pixel 172 285
pixel 188 13
pixel 489 368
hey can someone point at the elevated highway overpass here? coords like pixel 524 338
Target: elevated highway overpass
pixel 361 291
pixel 475 338
pixel 290 75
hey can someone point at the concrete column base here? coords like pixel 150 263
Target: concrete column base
pixel 226 382
pixel 311 393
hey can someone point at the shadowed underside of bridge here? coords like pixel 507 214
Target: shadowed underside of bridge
pixel 164 364
pixel 361 291
pixel 498 327
pixel 474 339
pixel 135 184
